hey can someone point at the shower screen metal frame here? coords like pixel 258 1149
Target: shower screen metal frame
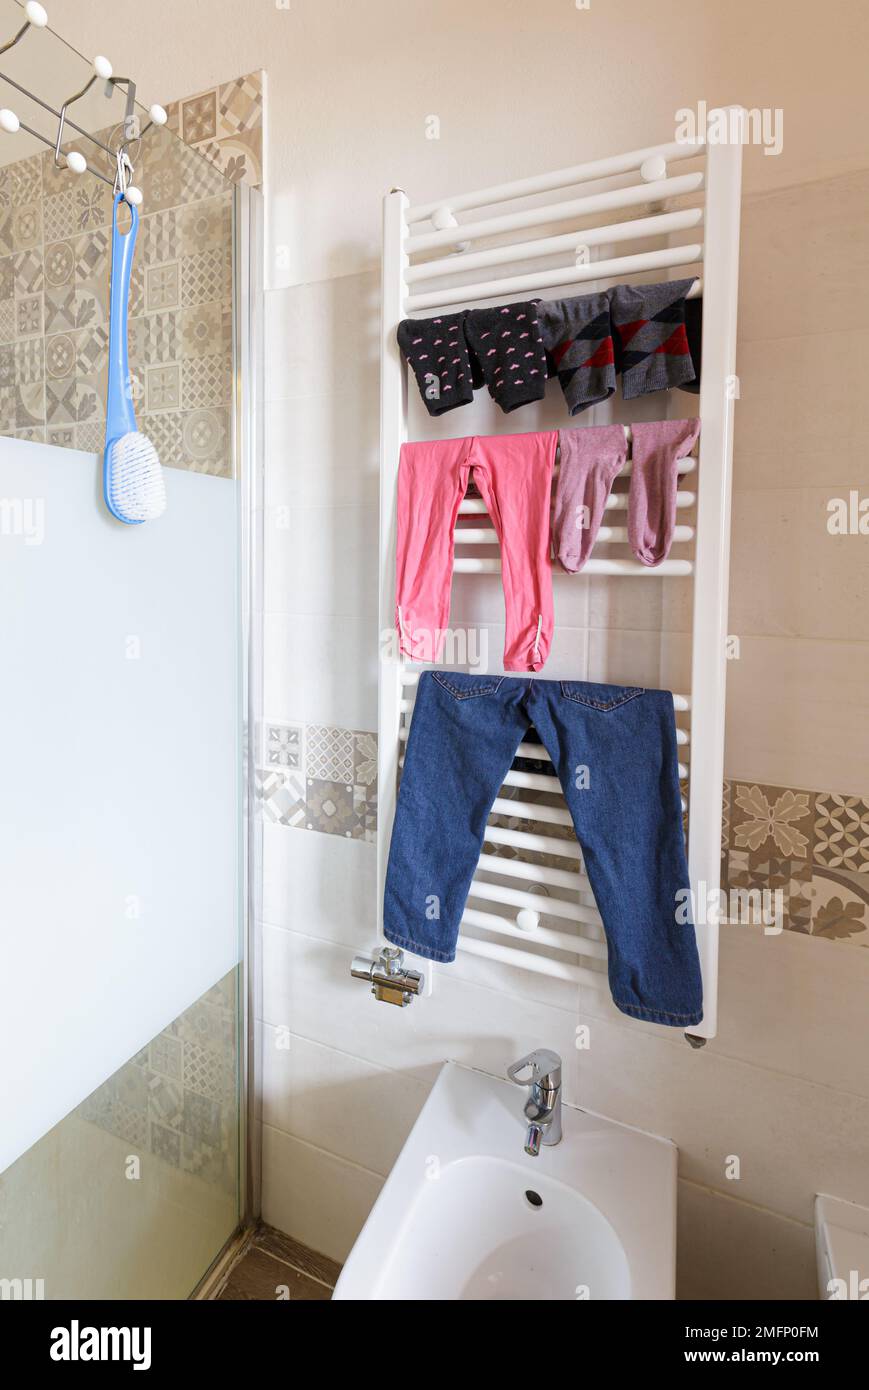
pixel 248 468
pixel 247 429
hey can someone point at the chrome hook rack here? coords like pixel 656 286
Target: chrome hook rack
pixel 121 181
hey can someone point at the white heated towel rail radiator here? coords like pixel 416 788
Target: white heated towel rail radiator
pixel 419 245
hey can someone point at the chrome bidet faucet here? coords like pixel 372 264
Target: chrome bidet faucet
pixel 543 1106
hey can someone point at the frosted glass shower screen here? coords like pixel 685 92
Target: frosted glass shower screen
pixel 119 794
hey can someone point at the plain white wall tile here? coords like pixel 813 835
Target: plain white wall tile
pixel 787 1004
pixel 322 561
pixel 796 1005
pixel 796 712
pixel 819 589
pixel 323 450
pixel 338 1102
pixel 321 670
pixel 799 420
pixel 790 1135
pixel 320 885
pixel 802 247
pixel 321 1200
pixel 321 336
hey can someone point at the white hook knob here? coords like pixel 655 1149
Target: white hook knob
pixel 102 67
pixel 158 115
pixel 442 218
pixel 653 169
pixel 527 919
pixel 35 14
pixel 9 121
pixel 76 162
pixel 133 195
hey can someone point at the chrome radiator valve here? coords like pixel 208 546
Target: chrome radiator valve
pixel 390 982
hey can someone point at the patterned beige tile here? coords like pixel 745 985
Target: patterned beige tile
pixel 282 796
pixel 158 237
pixel 841 833
pixel 59 264
pixel 30 406
pixel 199 118
pixel 163 387
pixel 205 441
pixel 206 276
pixel 206 329
pixel 27 226
pixel 29 316
pixel 6 240
pixel 206 381
pixel 29 360
pixel 60 355
pixel 163 286
pixel 284 747
pixel 60 309
pixel 28 271
pixel 7 277
pixel 207 224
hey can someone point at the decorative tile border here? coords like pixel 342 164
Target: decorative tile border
pixel 812 846
pixel 319 777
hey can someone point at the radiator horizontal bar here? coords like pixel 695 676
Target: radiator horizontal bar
pixel 612 535
pixel 550 907
pixel 616 502
pixel 591 170
pixel 615 269
pixel 541 936
pixel 534 873
pixel 529 960
pixel 529 840
pixel 610 234
pixel 667 569
pixel 530 810
pixel 634 195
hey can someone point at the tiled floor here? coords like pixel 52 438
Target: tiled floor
pixel 276 1267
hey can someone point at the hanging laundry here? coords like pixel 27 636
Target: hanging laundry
pixel 577 336
pixel 626 812
pixel 656 450
pixel 437 350
pixel 591 459
pixel 650 340
pixel 694 334
pixel 510 352
pixel 514 475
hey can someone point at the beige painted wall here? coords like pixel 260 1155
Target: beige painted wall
pixel 516 86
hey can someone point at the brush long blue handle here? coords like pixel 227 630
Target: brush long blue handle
pixel 120 418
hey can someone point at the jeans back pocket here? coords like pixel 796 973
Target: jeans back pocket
pixel 464 686
pixel 602 697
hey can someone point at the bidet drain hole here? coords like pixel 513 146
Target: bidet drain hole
pixel 533 1199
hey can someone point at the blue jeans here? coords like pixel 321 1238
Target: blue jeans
pixel 614 750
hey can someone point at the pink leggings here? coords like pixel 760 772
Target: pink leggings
pixel 514 475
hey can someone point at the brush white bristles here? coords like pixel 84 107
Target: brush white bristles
pixel 136 489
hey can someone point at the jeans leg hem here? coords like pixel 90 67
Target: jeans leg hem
pixel 427 952
pixel 662 1016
